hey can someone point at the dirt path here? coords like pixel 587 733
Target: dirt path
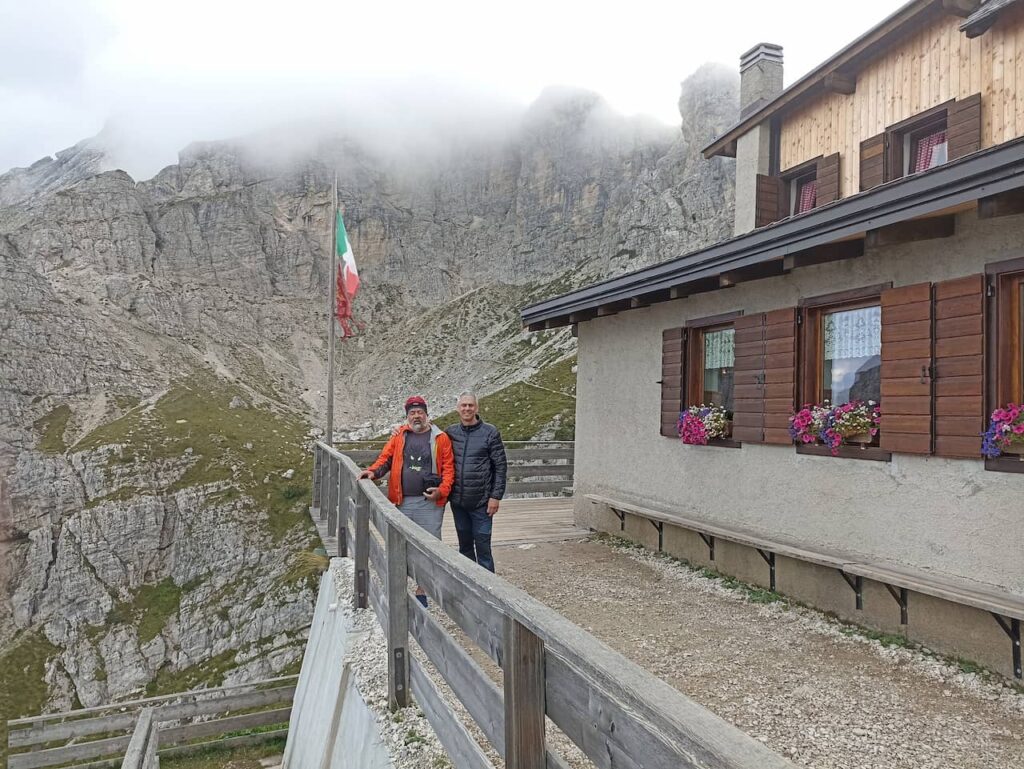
pixel 785 675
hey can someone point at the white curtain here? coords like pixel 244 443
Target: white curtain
pixel 720 349
pixel 853 333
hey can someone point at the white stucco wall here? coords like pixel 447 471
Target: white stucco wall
pixel 752 152
pixel 950 516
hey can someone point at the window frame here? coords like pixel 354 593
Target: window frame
pixel 810 361
pixel 899 139
pixel 791 180
pixel 1004 370
pixel 693 377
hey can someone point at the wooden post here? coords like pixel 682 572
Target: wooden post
pixel 334 495
pixel 398 619
pixel 523 663
pixel 317 462
pixel 361 547
pixel 344 490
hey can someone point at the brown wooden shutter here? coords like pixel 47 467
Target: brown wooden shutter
pixel 906 369
pixel 779 374
pixel 963 127
pixel 673 370
pixel 959 366
pixel 828 179
pixel 748 394
pixel 872 162
pixel 768 203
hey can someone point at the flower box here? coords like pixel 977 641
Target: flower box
pixel 1005 434
pixel 855 422
pixel 700 424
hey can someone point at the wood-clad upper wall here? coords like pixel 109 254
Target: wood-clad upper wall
pixel 928 68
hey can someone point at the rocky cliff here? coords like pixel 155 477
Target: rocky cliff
pixel 163 349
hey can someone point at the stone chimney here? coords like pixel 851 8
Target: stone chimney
pixel 760 82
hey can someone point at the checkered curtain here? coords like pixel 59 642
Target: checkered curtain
pixel 807 196
pixel 926 154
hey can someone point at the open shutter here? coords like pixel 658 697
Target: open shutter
pixel 959 366
pixel 963 127
pixel 779 374
pixel 872 162
pixel 907 369
pixel 748 369
pixel 673 365
pixel 828 179
pixel 768 203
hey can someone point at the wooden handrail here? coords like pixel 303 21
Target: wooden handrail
pixel 616 712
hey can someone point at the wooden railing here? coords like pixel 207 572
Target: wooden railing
pixel 615 712
pixel 127 731
pixel 544 467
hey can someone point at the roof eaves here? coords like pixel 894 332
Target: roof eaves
pixel 985 173
pixel 982 19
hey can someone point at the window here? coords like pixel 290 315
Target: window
pixel 841 355
pixel 713 372
pixel 1006 374
pixel 851 355
pixel 925 147
pixel 803 194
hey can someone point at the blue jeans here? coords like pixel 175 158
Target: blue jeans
pixel 473 525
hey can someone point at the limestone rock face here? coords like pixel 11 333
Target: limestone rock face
pixel 131 544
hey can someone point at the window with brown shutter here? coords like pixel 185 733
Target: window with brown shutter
pixel 710 357
pixel 673 364
pixel 1005 289
pixel 872 162
pixel 964 124
pixel 768 203
pixel 765 376
pixel 906 371
pixel 959 366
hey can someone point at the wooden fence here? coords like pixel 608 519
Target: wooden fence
pixel 544 467
pixel 615 712
pixel 104 735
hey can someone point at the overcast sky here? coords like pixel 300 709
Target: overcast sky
pixel 161 74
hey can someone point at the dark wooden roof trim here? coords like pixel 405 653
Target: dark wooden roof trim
pixel 986 173
pixel 982 19
pixel 841 64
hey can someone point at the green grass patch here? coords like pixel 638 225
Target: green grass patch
pixel 886 639
pixel 521 410
pixel 51 430
pixel 558 376
pixel 193 423
pixel 208 673
pixel 23 690
pixel 217 758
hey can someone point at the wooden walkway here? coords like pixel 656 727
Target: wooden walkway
pixel 518 522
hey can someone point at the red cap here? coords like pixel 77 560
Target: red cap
pixel 414 402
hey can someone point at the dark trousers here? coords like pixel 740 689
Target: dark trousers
pixel 473 525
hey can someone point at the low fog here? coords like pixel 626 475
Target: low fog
pixel 151 78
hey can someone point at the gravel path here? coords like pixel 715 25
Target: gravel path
pixel 788 676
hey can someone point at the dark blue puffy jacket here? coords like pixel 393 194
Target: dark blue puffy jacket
pixel 480 464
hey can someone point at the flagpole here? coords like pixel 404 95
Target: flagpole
pixel 332 298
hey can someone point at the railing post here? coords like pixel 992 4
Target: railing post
pixel 398 619
pixel 523 663
pixel 334 495
pixel 344 497
pixel 317 462
pixel 361 547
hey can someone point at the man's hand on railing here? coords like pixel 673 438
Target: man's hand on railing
pixel 366 474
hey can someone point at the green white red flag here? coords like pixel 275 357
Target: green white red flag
pixel 347 280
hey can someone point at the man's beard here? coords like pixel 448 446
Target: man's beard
pixel 418 427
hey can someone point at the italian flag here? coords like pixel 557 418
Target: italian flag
pixel 347 281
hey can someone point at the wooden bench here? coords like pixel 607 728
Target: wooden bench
pixel 1006 608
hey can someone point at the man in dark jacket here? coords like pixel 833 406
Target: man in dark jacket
pixel 480 470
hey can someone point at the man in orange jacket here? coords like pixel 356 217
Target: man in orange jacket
pixel 422 466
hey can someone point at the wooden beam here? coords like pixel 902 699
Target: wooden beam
pixel 832 252
pixel 840 82
pixel 535 326
pixel 638 303
pixel 523 666
pixel 398 619
pixel 582 316
pixel 679 292
pixel 360 514
pixel 961 8
pixel 1004 204
pixel 612 308
pixel 753 272
pixel 914 230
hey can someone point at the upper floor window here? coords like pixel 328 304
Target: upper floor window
pixel 925 147
pixel 804 193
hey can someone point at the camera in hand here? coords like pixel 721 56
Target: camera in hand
pixel 431 480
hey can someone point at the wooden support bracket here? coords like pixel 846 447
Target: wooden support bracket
pixel 856 584
pixel 1012 628
pixel 840 82
pixel 1003 204
pixel 770 269
pixel 709 540
pixel 913 230
pixel 833 252
pixel 660 526
pixel 769 558
pixel 622 519
pixel 900 596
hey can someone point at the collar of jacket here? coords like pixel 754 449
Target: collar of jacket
pixel 474 426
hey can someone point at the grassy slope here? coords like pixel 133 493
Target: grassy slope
pixel 23 691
